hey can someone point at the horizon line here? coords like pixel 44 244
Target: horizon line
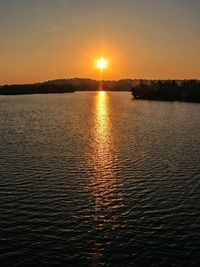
pixel 107 80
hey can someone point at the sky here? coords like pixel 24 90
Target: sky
pixel 50 39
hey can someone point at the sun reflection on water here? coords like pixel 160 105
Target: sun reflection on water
pixel 105 192
pixel 104 186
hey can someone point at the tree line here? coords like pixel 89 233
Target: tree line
pixel 188 90
pixel 38 88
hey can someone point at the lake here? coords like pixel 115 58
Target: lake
pixel 99 179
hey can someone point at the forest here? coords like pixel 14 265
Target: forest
pixel 188 90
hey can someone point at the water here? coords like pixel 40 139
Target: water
pixel 98 179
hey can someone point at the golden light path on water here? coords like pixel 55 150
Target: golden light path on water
pixel 105 188
pixel 104 181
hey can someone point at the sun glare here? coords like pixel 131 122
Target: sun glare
pixel 102 93
pixel 101 63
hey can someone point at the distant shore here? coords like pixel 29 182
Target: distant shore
pixel 41 88
pixel 66 86
pixel 164 90
pixel 186 91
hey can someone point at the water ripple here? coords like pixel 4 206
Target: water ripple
pixel 92 179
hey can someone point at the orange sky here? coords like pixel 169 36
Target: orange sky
pixel 61 39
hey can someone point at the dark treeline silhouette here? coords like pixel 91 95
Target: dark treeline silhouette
pixel 38 88
pixel 83 84
pixel 188 90
pixel 182 90
pixel 67 85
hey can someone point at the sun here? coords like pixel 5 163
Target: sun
pixel 101 63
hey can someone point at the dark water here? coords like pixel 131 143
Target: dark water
pixel 90 179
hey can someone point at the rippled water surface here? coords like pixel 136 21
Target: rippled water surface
pixel 98 179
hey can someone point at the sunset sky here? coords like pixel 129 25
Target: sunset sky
pixel 49 39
